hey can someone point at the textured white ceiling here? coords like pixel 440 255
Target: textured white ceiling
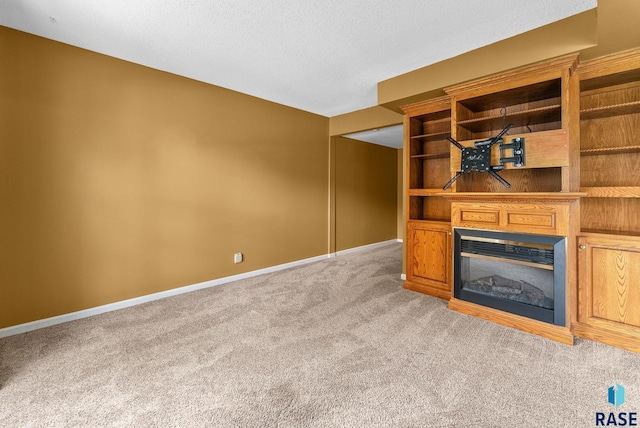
pixel 323 56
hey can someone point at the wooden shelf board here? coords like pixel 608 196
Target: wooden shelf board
pixel 611 192
pixel 446 119
pixel 431 156
pixel 512 114
pixel 439 222
pixel 444 135
pixel 614 234
pixel 610 150
pixel 426 192
pixel 487 124
pixel 517 196
pixel 610 110
pixel 431 220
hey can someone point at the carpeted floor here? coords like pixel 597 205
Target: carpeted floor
pixel 333 343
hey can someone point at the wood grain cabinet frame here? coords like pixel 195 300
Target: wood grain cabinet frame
pixel 580 121
pixel 609 290
pixel 429 258
pixel 428 239
pixel 609 242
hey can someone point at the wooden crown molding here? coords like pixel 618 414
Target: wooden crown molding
pixel 550 66
pixel 433 104
pixel 620 61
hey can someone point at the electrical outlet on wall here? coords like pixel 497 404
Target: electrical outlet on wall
pixel 237 257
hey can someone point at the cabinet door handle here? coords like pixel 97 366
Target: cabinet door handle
pixel 582 247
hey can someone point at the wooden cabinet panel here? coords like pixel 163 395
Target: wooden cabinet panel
pixel 429 251
pixel 480 216
pixel 609 290
pixel 429 258
pixel 526 219
pixel 615 285
pixel 550 217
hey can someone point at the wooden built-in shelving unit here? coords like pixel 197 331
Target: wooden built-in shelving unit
pixel 427 126
pixel 609 241
pixel 427 130
pixel 610 143
pixel 581 125
pixel 536 101
pixel 533 101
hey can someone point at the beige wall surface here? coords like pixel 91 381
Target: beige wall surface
pixel 363 120
pixel 118 181
pixel 365 193
pixel 618 28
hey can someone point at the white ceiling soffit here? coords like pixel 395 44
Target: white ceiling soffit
pixel 322 56
pixel 390 136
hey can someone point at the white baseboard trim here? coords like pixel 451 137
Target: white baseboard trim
pixel 47 322
pixel 85 313
pixel 403 276
pixel 366 247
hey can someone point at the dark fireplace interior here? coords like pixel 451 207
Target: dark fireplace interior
pixel 514 272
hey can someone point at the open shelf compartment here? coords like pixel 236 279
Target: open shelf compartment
pixel 530 108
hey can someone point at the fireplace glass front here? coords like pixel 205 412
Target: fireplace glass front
pixel 513 272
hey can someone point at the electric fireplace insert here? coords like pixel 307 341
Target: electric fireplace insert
pixel 523 274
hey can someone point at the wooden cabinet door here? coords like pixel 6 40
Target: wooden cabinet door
pixel 609 290
pixel 429 258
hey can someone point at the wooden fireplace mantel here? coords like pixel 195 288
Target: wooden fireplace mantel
pixel 512 196
pixel 548 213
pixel 544 213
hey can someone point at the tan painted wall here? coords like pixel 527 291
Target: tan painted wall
pixel 617 26
pixel 366 193
pixel 118 181
pixel 363 120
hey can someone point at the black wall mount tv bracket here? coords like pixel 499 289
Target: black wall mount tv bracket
pixel 478 157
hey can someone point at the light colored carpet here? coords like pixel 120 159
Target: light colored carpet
pixel 333 343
